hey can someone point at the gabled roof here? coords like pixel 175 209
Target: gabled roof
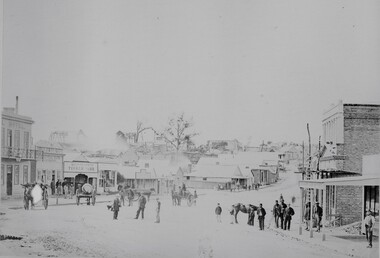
pixel 75 157
pixel 48 144
pixel 217 172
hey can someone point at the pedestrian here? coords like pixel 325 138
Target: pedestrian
pixel 122 195
pixel 318 212
pixel 142 202
pixel 218 212
pixel 282 211
pixel 232 214
pixel 289 212
pixel 307 216
pixel 66 190
pixel 58 186
pixel 131 195
pixel 52 186
pixel 369 222
pixel 281 198
pixel 251 215
pixel 116 206
pixel 158 208
pixel 276 212
pixel 195 197
pixel 261 216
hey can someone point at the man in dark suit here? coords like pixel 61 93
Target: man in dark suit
pixel 261 216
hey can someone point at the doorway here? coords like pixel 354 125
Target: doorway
pixel 9 179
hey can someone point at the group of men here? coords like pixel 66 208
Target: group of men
pixel 315 214
pixel 282 213
pixel 141 207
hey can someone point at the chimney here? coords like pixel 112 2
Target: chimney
pixel 16 111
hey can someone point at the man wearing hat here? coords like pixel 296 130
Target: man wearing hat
pixel 369 222
pixel 116 206
pixel 158 208
pixel 318 212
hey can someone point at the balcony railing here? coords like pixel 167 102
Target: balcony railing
pixel 17 153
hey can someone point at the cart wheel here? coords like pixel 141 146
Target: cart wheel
pixel 77 200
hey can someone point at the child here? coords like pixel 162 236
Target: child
pixel 116 206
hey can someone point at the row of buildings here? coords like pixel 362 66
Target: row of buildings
pixel 64 157
pixel 344 176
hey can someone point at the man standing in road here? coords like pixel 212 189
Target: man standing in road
pixel 158 208
pixel 276 212
pixel 289 212
pixel 218 212
pixel 116 206
pixel 282 211
pixel 261 216
pixel 142 202
pixel 369 222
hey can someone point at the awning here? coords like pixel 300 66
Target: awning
pixel 347 181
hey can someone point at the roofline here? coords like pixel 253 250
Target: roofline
pixel 362 105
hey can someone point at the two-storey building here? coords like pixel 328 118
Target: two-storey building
pixel 18 159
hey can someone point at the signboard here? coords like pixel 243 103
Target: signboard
pixel 142 175
pixel 80 167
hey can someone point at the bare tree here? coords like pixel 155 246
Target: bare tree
pixel 178 131
pixel 139 129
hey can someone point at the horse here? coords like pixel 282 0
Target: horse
pixel 241 207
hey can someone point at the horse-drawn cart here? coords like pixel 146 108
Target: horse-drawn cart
pixel 185 195
pixel 87 192
pixel 33 193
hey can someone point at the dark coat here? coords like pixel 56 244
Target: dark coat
pixel 142 201
pixel 262 211
pixel 307 213
pixel 116 204
pixel 276 210
pixel 283 207
pixel 289 212
pixel 218 210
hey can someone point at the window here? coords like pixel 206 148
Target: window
pixel 39 176
pixel 146 165
pixel 17 138
pixel 26 140
pixel 25 172
pixel 9 138
pixel 2 137
pixel 17 175
pixel 2 174
pixel 205 179
pixel 188 178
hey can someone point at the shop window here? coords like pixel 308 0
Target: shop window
pixel 25 173
pixel 17 175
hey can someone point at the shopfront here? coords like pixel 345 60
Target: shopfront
pixel 79 173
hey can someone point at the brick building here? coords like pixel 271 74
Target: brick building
pixel 350 132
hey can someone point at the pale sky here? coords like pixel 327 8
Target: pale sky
pixel 259 69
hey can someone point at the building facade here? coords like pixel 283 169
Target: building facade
pixel 350 133
pixel 49 162
pixel 18 159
